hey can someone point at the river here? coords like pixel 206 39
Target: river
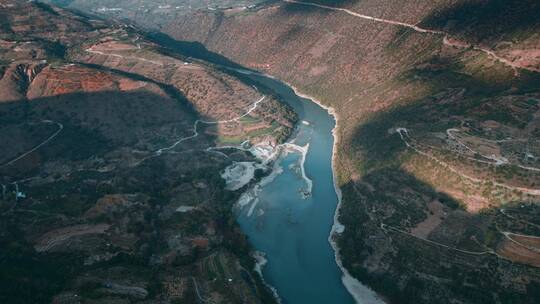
pixel 291 229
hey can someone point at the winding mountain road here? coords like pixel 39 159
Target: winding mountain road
pixel 206 122
pixel 60 128
pixel 404 133
pixel 418 29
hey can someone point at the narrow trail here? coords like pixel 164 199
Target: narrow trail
pixel 529 168
pixel 352 13
pixel 60 128
pixel 185 66
pixel 418 29
pixel 389 228
pixel 506 234
pixel 497 161
pixel 509 235
pixel 206 122
pixel 488 251
pixel 404 133
pixel 503 211
pixel 488 52
pixel 89 50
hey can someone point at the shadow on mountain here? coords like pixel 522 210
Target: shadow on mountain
pixel 99 130
pixel 94 124
pixel 398 199
pixel 487 20
pixel 27 277
pixel 191 49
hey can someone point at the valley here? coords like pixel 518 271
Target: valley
pixel 421 213
pixel 141 146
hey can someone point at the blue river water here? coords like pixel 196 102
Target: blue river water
pixel 290 229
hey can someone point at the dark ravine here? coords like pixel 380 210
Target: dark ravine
pixel 386 75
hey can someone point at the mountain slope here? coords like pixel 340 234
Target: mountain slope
pixel 111 162
pixel 438 126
